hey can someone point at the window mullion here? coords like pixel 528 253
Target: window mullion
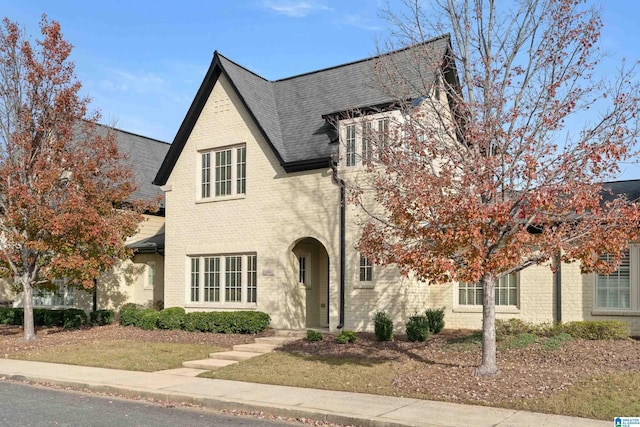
pixel 223 279
pixel 244 278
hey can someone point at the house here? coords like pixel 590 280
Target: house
pixel 139 279
pixel 256 217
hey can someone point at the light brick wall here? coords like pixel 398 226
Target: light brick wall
pixel 279 210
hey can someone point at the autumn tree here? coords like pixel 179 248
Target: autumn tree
pixel 64 188
pixel 486 172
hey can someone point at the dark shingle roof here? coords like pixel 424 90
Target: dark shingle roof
pixel 629 188
pixel 144 155
pixel 291 113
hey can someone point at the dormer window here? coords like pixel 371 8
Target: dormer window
pixel 362 138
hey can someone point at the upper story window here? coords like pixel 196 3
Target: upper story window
pixel 362 138
pixel 223 172
pixel 506 293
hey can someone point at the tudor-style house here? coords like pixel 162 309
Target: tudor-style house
pixel 256 217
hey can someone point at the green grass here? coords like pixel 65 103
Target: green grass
pixel 127 355
pixel 345 374
pixel 603 397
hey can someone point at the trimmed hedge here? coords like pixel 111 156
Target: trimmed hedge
pixel 226 322
pixel 435 319
pixel 101 317
pixel 171 318
pixel 585 329
pixel 600 330
pixel 66 318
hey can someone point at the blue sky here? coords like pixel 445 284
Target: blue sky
pixel 142 61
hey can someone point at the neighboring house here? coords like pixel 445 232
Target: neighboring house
pixel 256 219
pixel 140 279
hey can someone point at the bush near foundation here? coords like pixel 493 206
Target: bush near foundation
pixel 418 328
pixel 101 317
pixel 227 322
pixel 382 326
pixel 584 329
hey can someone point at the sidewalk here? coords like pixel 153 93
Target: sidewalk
pixel 332 406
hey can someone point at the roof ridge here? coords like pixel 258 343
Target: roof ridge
pixel 380 55
pixel 241 66
pixel 132 133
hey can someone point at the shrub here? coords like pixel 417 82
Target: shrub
pixel 418 328
pixel 148 319
pixel 511 327
pixel 5 314
pixel 129 314
pixel 171 318
pixel 383 326
pixel 435 319
pixel 101 317
pixel 597 330
pixel 522 340
pixel 345 337
pixel 49 317
pixel 11 316
pixel 74 318
pixel 314 336
pixel 557 341
pixel 228 322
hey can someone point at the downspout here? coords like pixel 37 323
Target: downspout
pixel 558 283
pixel 333 163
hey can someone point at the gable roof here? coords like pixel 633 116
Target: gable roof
pixel 291 113
pixel 144 155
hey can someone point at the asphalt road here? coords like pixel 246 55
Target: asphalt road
pixel 25 405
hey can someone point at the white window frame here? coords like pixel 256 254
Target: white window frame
pixel 358 137
pixel 365 271
pixel 210 182
pixel 212 283
pixel 64 296
pixel 633 268
pixel 303 270
pixel 503 286
pixel 150 275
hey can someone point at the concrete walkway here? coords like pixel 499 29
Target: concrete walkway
pixel 332 406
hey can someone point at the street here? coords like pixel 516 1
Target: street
pixel 25 405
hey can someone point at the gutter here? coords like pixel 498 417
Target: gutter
pixel 333 163
pixel 558 285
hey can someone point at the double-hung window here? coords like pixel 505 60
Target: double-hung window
pixel 366 269
pixel 360 146
pixel 614 291
pixel 350 141
pixel 506 292
pixel 224 279
pixel 223 172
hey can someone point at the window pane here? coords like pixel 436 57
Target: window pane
pixel 233 279
pixel 252 278
pixel 241 170
pixel 507 290
pixel 206 175
pixel 212 279
pixel 195 279
pixel 614 290
pixel 302 270
pixel 366 269
pixel 366 141
pixel 351 145
pixel 223 173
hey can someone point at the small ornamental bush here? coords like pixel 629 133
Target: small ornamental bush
pixel 511 327
pixel 346 337
pixel 227 322
pixel 597 330
pixel 383 326
pixel 101 317
pixel 148 319
pixel 171 318
pixel 314 336
pixel 435 319
pixel 129 315
pixel 6 313
pixel 418 328
pixel 74 318
pixel 49 318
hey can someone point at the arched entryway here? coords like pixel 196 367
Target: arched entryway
pixel 312 263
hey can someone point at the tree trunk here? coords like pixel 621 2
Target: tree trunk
pixel 489 365
pixel 27 291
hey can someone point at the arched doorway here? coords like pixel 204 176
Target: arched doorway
pixel 312 263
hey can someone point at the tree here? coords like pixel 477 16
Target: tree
pixel 64 188
pixel 489 174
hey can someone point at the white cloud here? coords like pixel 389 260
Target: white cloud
pixel 361 22
pixel 295 8
pixel 123 81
